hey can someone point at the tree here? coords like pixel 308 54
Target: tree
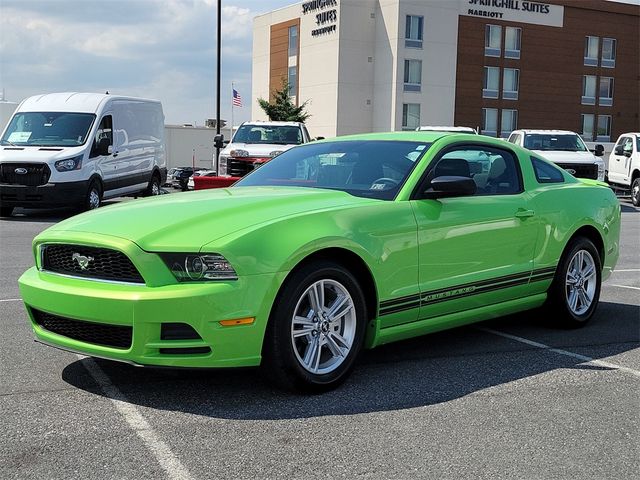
pixel 283 109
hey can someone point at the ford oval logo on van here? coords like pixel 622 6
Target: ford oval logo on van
pixel 20 171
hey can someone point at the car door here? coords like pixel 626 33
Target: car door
pixel 620 159
pixel 474 250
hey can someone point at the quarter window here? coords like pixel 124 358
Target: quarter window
pixel 412 75
pixel 510 83
pixel 509 122
pixel 512 39
pixel 104 134
pixel 413 31
pixel 591 46
pixel 491 82
pixel 545 172
pixel 493 40
pixel 410 116
pixel 605 95
pixel 490 122
pixel 608 52
pixel 588 121
pixel 589 90
pixel 604 128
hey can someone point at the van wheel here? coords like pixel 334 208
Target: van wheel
pixel 93 199
pixel 635 192
pixel 316 329
pixel 6 211
pixel 153 188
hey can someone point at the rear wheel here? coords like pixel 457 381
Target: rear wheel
pixel 153 188
pixel 93 198
pixel 316 329
pixel 635 192
pixel 575 291
pixel 6 211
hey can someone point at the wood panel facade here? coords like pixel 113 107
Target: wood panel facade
pixel 279 55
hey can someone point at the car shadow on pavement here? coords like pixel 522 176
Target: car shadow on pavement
pixel 414 373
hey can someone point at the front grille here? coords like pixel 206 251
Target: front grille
pixel 107 335
pixel 582 170
pixel 36 174
pixel 238 168
pixel 99 263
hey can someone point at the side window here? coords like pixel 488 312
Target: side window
pixel 104 135
pixel 546 173
pixel 628 145
pixel 494 170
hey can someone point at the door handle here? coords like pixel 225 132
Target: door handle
pixel 522 213
pixel 115 154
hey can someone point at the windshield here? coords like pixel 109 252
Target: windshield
pixel 548 141
pixel 372 169
pixel 280 134
pixel 51 129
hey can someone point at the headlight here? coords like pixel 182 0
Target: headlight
pixel 275 153
pixel 239 153
pixel 193 267
pixel 69 164
pixel 222 165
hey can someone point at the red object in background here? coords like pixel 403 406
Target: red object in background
pixel 203 183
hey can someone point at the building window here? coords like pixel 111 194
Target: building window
pixel 410 116
pixel 512 38
pixel 490 122
pixel 413 31
pixel 591 51
pixel 491 85
pixel 509 122
pixel 510 83
pixel 293 41
pixel 587 126
pixel 292 78
pixel 608 52
pixel 493 40
pixel 589 90
pixel 412 75
pixel 604 128
pixel 605 95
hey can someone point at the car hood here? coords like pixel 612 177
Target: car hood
pixel 188 221
pixel 38 154
pixel 257 149
pixel 567 157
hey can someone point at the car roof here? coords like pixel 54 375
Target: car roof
pixel 409 136
pixel 546 132
pixel 441 128
pixel 259 123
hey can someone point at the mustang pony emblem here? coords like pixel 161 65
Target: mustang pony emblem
pixel 82 260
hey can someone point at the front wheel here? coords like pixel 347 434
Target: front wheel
pixel 93 198
pixel 316 329
pixel 635 192
pixel 574 294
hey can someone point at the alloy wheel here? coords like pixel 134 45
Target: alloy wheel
pixel 580 282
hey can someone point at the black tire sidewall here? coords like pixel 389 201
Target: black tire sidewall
pixel 279 351
pixel 635 199
pixel 155 179
pixel 87 204
pixel 558 297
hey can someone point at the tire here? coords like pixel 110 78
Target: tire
pixel 309 353
pixel 635 192
pixel 153 189
pixel 93 198
pixel 6 211
pixel 575 291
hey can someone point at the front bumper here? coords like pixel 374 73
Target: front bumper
pixel 145 309
pixel 44 196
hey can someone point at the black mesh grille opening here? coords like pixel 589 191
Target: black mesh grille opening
pixel 99 263
pixel 185 351
pixel 31 174
pixel 178 331
pixel 238 168
pixel 107 335
pixel 582 171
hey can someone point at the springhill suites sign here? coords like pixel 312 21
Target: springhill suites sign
pixel 326 16
pixel 525 11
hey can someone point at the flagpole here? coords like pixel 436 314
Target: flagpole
pixel 232 90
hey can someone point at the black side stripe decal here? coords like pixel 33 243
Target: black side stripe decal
pixel 410 302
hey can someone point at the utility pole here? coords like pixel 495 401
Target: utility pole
pixel 219 41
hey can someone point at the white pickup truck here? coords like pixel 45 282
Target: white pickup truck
pixel 624 165
pixel 565 149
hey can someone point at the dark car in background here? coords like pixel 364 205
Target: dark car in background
pixel 179 177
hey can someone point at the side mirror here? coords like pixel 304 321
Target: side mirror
pixel 619 150
pixel 450 186
pixel 599 150
pixel 218 141
pixel 319 138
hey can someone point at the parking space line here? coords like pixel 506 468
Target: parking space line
pixel 11 300
pixel 584 358
pixel 627 270
pixel 160 450
pixel 623 286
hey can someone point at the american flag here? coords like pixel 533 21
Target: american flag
pixel 237 99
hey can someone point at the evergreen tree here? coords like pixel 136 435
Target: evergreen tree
pixel 283 109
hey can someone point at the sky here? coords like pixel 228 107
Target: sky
pixel 162 49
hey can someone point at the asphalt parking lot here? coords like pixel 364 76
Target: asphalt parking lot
pixel 512 398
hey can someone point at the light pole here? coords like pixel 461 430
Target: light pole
pixel 219 41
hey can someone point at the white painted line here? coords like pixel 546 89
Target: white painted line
pixel 160 450
pixel 11 300
pixel 584 358
pixel 623 286
pixel 627 270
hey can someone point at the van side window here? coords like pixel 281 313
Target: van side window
pixel 546 173
pixel 104 135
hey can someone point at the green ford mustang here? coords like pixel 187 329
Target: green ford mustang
pixel 331 247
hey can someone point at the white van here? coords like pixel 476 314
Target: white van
pixel 624 165
pixel 76 149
